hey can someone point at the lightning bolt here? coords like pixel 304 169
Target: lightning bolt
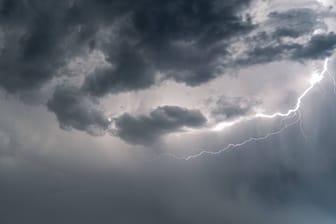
pixel 290 114
pixel 316 78
pixel 231 145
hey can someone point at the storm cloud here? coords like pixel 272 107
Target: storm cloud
pixel 228 108
pixel 187 41
pixel 146 129
pixel 129 94
pixel 75 110
pixel 147 42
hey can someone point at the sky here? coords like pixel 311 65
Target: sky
pixel 157 111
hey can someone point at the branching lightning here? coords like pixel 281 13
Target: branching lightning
pixel 290 114
pixel 231 145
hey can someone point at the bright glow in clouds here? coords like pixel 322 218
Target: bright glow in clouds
pixel 294 112
pixel 325 2
pixel 316 78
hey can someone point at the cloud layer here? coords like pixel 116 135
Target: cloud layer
pixel 121 85
pixel 75 110
pixel 163 120
pixel 144 43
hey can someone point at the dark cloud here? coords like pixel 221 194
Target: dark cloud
pixel 146 129
pixel 284 38
pixel 294 22
pixel 186 41
pixel 189 42
pixel 37 41
pixel 319 47
pixel 227 108
pixel 180 40
pixel 144 42
pixel 75 110
pixel 41 37
pixel 132 72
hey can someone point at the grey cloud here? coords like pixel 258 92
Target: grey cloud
pixel 294 23
pixel 151 41
pixel 266 54
pixel 146 129
pixel 37 41
pixel 232 107
pixel 181 40
pixel 39 38
pixel 320 46
pixel 132 73
pixel 189 43
pixel 75 110
pixel 186 41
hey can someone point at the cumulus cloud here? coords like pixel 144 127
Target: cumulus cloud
pixel 187 41
pixel 289 35
pixel 37 39
pixel 75 110
pixel 132 72
pixel 181 40
pixel 319 47
pixel 146 42
pixel 146 129
pixel 294 23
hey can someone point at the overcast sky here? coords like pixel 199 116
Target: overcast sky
pixel 107 106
